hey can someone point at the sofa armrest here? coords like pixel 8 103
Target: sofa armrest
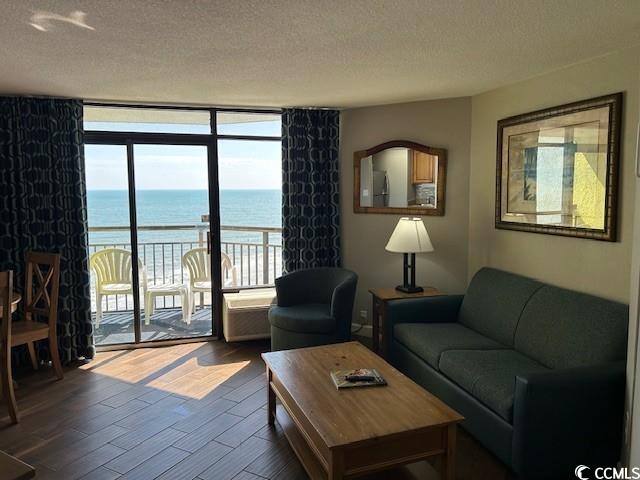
pixel 440 309
pixel 443 308
pixel 565 418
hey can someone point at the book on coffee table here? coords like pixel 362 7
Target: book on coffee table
pixel 359 377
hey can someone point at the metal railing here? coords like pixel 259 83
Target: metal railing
pixel 256 255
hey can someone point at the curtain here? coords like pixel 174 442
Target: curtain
pixel 43 207
pixel 310 195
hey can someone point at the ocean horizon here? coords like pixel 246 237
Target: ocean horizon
pixel 255 208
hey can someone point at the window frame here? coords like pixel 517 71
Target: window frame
pixel 210 140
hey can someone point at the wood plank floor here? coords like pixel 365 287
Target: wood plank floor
pixel 193 411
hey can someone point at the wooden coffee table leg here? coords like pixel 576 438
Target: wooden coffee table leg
pixel 336 465
pixel 271 403
pixel 449 457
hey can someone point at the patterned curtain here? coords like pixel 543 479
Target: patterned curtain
pixel 43 207
pixel 310 196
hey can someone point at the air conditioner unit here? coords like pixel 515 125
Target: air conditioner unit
pixel 244 314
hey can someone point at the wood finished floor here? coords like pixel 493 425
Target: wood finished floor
pixel 193 411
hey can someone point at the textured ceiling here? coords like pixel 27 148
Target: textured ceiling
pixel 339 53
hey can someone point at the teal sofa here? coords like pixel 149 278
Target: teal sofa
pixel 537 371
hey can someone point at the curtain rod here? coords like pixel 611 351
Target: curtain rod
pixel 190 106
pixel 129 103
pixel 197 105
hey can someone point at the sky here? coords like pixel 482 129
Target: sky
pixel 243 164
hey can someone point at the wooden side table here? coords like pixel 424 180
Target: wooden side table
pixel 380 298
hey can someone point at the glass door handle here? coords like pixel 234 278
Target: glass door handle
pixel 208 243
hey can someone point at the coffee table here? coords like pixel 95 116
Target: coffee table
pixel 345 433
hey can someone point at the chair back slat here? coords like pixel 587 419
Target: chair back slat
pixel 198 264
pixel 6 295
pixel 197 261
pixel 113 265
pixel 42 284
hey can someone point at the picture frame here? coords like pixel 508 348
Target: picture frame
pixel 557 170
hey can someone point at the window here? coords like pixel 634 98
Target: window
pixel 153 201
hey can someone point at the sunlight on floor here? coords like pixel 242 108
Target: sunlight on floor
pixel 196 385
pixel 179 372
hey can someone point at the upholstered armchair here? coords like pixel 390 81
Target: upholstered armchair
pixel 314 308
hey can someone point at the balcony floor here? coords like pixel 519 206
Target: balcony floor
pixel 165 324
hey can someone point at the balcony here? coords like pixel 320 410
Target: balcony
pixel 255 255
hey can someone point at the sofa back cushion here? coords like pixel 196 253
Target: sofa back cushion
pixel 494 301
pixel 563 329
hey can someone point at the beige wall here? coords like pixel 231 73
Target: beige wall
pixel 440 123
pixel 601 268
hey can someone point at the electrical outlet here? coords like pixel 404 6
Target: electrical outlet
pixel 364 314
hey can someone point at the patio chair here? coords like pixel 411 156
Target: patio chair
pixel 112 267
pixel 198 264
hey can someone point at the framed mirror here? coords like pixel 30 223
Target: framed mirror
pixel 400 177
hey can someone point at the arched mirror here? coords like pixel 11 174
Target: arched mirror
pixel 400 177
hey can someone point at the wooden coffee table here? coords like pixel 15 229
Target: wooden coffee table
pixel 351 432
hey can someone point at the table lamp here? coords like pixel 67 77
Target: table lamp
pixel 409 237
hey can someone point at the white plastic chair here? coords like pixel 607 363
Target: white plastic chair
pixel 197 263
pixel 112 267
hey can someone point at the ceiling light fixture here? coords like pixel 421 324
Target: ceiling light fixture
pixel 41 20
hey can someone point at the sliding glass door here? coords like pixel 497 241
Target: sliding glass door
pixel 148 204
pixel 160 258
pixel 172 210
pixel 108 213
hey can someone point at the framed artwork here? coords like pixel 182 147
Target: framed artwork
pixel 557 170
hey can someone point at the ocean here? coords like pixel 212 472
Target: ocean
pixel 161 250
pixel 257 208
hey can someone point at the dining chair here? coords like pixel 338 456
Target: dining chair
pixel 42 284
pixel 6 379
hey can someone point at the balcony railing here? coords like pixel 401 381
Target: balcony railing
pixel 256 254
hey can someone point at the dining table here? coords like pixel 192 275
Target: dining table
pixel 12 468
pixel 15 300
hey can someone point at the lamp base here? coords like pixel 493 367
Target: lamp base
pixel 409 289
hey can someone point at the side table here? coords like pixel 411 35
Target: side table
pixel 380 298
pixel 164 290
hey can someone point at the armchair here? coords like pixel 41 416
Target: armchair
pixel 314 307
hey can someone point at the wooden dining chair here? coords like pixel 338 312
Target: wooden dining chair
pixel 6 380
pixel 42 283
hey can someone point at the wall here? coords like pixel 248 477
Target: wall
pixel 596 267
pixel 439 123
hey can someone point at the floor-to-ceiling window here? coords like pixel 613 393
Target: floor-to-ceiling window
pixel 190 196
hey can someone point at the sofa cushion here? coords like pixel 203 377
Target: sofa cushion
pixel 488 375
pixel 494 301
pixel 429 340
pixel 310 318
pixel 563 329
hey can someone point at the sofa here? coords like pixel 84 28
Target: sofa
pixel 537 371
pixel 314 307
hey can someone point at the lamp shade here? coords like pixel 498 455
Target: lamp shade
pixel 409 236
